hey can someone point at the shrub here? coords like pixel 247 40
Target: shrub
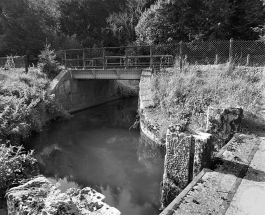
pixel 25 105
pixel 16 165
pixel 47 62
pixel 9 64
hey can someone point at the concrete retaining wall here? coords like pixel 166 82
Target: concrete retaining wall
pixel 75 95
pixel 187 151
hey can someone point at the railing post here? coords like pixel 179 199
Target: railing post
pixel 104 58
pixel 126 58
pixel 84 59
pixel 231 51
pixel 151 58
pixel 65 63
pixel 180 54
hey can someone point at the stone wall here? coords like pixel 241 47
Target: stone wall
pixel 39 196
pixel 188 151
pixel 74 94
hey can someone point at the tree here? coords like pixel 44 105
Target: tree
pixel 87 19
pixel 26 25
pixel 189 20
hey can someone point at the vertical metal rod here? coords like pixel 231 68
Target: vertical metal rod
pixel 180 54
pixel 104 58
pixel 84 59
pixel 248 58
pixel 126 58
pixel 216 59
pixel 65 64
pixel 151 58
pixel 231 51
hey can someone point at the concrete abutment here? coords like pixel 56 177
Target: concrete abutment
pixel 74 94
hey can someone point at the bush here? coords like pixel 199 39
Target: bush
pixel 16 165
pixel 47 62
pixel 9 64
pixel 25 105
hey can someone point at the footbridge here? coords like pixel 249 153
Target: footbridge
pixel 124 63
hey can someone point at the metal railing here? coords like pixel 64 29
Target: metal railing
pixel 247 53
pixel 115 57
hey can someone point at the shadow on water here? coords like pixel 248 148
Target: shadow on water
pixel 96 149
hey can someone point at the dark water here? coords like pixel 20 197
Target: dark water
pixel 96 149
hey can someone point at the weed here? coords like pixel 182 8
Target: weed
pixel 183 96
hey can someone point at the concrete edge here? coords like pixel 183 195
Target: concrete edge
pixel 226 203
pixel 170 209
pixel 148 133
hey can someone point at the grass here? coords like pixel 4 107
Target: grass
pixel 183 96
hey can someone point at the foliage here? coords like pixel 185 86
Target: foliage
pixel 25 104
pixel 86 19
pixel 9 64
pixel 122 24
pixel 16 165
pixel 47 62
pixel 183 96
pixel 177 20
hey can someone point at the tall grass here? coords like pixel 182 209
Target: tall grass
pixel 183 96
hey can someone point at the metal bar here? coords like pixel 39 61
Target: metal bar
pixel 126 58
pixel 65 65
pixel 104 58
pixel 84 61
pixel 180 54
pixel 151 59
pixel 231 51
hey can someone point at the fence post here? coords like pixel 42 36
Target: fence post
pixel 216 59
pixel 231 51
pixel 126 58
pixel 104 58
pixel 151 58
pixel 84 59
pixel 180 54
pixel 248 58
pixel 65 64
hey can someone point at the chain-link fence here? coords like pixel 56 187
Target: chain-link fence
pixel 247 53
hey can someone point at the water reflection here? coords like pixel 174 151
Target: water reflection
pixel 96 149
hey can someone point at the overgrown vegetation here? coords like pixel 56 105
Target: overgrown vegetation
pixel 15 165
pixel 183 96
pixel 25 107
pixel 25 104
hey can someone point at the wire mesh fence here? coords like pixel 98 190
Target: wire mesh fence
pixel 242 53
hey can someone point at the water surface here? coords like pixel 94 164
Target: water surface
pixel 96 149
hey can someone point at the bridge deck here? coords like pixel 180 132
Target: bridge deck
pixel 123 74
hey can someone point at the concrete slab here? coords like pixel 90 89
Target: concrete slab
pixel 250 195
